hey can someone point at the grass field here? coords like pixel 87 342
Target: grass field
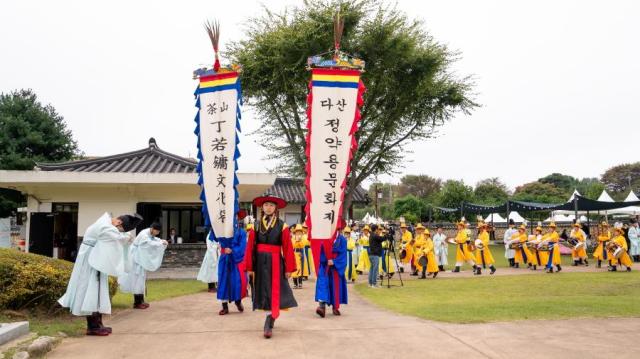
pixel 517 297
pixel 160 289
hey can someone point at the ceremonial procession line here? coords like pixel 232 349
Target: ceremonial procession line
pixel 190 327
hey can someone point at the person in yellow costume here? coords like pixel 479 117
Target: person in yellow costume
pixel 538 258
pixel 579 251
pixel 424 253
pixel 406 255
pixel 307 263
pixel 624 260
pixel 387 264
pixel 522 254
pixel 298 250
pixel 600 253
pixel 463 254
pixel 363 261
pixel 484 257
pixel 552 239
pixel 350 270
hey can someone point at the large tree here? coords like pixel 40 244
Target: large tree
pixel 412 208
pixel 421 186
pixel 540 193
pixel 622 178
pixel 30 132
pixel 491 191
pixel 564 182
pixel 411 90
pixel 452 195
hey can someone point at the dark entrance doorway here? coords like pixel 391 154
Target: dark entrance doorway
pixel 65 230
pixel 41 233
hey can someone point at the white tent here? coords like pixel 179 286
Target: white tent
pixel 516 217
pixel 560 218
pixel 495 218
pixel 604 197
pixel 631 210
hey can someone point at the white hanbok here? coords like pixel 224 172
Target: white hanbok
pixel 101 254
pixel 441 248
pixel 634 241
pixel 356 251
pixel 145 254
pixel 209 268
pixel 508 252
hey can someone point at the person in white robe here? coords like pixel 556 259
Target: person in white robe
pixel 209 268
pixel 355 235
pixel 441 248
pixel 101 254
pixel 634 240
pixel 145 255
pixel 509 253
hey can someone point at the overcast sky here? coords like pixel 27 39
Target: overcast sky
pixel 559 81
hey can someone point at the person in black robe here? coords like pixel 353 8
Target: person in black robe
pixel 270 261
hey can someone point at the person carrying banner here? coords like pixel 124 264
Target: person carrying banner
pixel 270 261
pixel 145 254
pixel 101 254
pixel 232 277
pixel 331 284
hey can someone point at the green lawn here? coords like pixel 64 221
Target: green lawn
pixel 48 324
pixel 160 289
pixel 504 298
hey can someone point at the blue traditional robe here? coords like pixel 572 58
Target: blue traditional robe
pixel 232 277
pixel 331 285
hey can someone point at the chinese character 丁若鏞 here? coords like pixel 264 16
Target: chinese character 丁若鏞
pixel 220 162
pixel 219 144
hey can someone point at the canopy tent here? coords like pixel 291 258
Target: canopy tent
pixel 604 197
pixel 559 218
pixel 495 218
pixel 516 217
pixel 630 210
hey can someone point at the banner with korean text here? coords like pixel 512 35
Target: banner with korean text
pixel 218 99
pixel 333 111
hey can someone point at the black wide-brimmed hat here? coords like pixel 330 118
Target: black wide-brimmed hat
pixel 279 202
pixel 130 221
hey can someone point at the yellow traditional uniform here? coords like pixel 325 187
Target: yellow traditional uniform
pixel 307 265
pixel 363 261
pixel 407 240
pixel 538 258
pixel 600 253
pixel 553 257
pixel 581 253
pixel 523 254
pixel 463 254
pixel 350 271
pixel 426 249
pixel 298 248
pixel 625 260
pixel 387 263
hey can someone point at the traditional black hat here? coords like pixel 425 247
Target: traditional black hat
pixel 130 221
pixel 512 222
pixel 156 225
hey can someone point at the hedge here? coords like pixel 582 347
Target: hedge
pixel 32 281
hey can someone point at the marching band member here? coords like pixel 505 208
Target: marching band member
pixel 522 253
pixel 425 258
pixel 350 270
pixel 509 253
pixel 407 249
pixel 363 260
pixel 298 248
pixel 552 240
pixel 387 263
pixel 483 253
pixel 270 262
pixel 441 248
pixel 463 254
pixel 307 262
pixel 538 258
pixel 600 253
pixel 634 240
pixel 619 241
pixel 579 252
pixel 331 284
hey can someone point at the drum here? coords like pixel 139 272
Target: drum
pixel 403 254
pixel 544 247
pixel 479 244
pixel 618 252
pixel 516 245
pixel 423 261
pixel 573 242
pixel 580 245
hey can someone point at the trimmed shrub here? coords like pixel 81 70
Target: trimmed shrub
pixel 31 281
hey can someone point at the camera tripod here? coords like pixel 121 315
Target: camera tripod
pixel 387 258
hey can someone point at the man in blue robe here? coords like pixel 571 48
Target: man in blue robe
pixel 331 285
pixel 232 276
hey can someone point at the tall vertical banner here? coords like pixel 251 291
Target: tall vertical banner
pixel 218 99
pixel 333 111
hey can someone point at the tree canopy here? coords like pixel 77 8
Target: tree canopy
pixel 411 89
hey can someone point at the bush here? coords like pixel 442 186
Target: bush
pixel 31 281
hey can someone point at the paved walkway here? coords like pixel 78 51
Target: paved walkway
pixel 189 327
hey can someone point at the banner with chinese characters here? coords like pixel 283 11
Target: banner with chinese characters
pixel 333 111
pixel 218 98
